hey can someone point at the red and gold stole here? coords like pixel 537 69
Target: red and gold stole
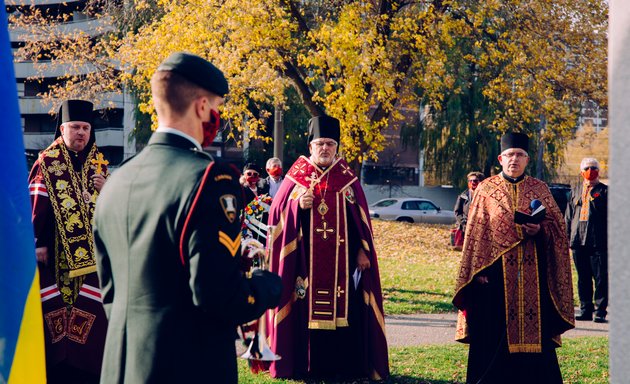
pixel 73 198
pixel 328 248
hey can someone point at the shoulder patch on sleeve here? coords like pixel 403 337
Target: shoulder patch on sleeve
pixel 223 177
pixel 228 203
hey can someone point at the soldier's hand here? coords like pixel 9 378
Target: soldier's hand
pixel 531 229
pixel 99 181
pixel 306 200
pixel 363 262
pixel 41 254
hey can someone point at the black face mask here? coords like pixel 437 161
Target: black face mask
pixel 211 128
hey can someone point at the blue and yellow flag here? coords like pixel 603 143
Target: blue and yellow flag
pixel 22 357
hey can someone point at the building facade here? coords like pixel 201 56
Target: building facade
pixel 114 118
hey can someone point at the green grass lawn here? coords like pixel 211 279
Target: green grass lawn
pixel 417 267
pixel 583 360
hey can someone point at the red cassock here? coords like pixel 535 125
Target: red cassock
pixel 330 322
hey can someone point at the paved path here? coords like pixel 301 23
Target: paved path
pixel 418 329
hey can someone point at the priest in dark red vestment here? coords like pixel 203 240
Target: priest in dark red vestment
pixel 514 288
pixel 64 184
pixel 330 321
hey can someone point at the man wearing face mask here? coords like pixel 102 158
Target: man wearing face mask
pixel 253 186
pixel 587 226
pixel 167 234
pixel 274 170
pixel 463 202
pixel 329 323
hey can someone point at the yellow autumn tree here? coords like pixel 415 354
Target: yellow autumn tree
pixel 479 67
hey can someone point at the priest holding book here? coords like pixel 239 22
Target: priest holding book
pixel 514 289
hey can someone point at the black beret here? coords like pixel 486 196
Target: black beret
pixel 197 70
pixel 323 126
pixel 514 140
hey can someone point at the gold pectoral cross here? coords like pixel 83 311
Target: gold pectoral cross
pixel 340 291
pixel 324 230
pixel 99 162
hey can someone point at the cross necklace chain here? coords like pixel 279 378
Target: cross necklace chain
pixel 322 208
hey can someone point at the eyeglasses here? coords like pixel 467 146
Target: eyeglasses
pixel 518 155
pixel 251 173
pixel 473 180
pixel 592 168
pixel 320 144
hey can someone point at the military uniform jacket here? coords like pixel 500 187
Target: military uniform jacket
pixel 167 235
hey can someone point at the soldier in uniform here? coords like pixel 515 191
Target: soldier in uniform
pixel 168 242
pixel 64 184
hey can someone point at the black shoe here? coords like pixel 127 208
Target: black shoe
pixel 584 316
pixel 600 319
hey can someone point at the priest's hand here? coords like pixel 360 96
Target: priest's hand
pixel 41 254
pixel 531 229
pixel 363 262
pixel 99 181
pixel 306 200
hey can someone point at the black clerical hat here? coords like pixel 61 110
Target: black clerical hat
pixel 514 140
pixel 323 126
pixel 75 110
pixel 197 70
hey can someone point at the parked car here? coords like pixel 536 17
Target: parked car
pixel 561 193
pixel 411 210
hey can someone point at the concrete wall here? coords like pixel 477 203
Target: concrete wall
pixel 619 198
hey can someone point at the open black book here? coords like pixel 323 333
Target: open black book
pixel 535 218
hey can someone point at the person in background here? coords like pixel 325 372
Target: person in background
pixel 168 242
pixel 273 181
pixel 464 199
pixel 586 218
pixel 514 288
pixel 65 182
pixel 252 184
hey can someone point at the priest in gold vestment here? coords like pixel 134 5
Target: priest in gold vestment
pixel 514 289
pixel 64 184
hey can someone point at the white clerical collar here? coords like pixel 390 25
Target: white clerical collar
pixel 180 133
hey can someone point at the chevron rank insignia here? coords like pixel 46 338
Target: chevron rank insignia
pixel 231 245
pixel 228 203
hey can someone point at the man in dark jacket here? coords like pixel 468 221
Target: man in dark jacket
pixel 463 200
pixel 587 226
pixel 167 234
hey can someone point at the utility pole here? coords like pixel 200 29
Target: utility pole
pixel 278 132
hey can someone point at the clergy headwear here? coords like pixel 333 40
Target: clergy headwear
pixel 197 70
pixel 323 127
pixel 514 140
pixel 76 110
